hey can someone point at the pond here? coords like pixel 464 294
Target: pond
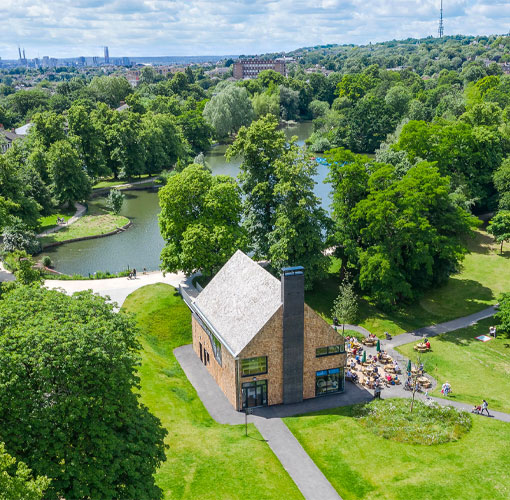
pixel 140 245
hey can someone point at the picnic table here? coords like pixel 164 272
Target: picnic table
pixel 370 341
pixel 421 347
pixel 425 382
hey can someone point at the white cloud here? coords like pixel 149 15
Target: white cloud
pixel 61 28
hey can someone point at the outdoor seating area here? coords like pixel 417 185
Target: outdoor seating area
pixel 377 369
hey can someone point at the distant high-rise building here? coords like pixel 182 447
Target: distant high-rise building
pixel 106 56
pixel 95 61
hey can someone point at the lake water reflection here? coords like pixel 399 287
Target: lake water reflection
pixel 140 245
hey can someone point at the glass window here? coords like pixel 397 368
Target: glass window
pixel 327 381
pixel 254 366
pixel 330 350
pixel 254 394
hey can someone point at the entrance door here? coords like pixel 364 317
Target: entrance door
pixel 254 394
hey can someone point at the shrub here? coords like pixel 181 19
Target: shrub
pixel 46 261
pixel 427 424
pixel 20 237
pixel 115 200
pixel 320 145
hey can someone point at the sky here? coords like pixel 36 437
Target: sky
pixel 71 28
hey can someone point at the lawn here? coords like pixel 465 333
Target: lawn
pixel 205 460
pixel 485 274
pixel 105 183
pixel 361 465
pixel 49 221
pixel 97 221
pixel 475 370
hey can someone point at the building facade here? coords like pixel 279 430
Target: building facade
pixel 259 340
pixel 250 68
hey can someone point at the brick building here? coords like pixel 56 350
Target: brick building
pixel 250 68
pixel 260 341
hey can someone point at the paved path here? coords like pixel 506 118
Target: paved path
pixel 117 288
pixel 80 212
pixel 308 478
pixel 4 274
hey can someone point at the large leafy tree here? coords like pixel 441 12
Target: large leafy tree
pixel 260 145
pixel 70 182
pixel 501 180
pixel 402 235
pixel 229 110
pixel 90 142
pixel 68 401
pixel 110 89
pixel 300 227
pixel 200 221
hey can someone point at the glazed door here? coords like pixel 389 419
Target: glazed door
pixel 254 394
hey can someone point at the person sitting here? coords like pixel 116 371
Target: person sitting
pixel 389 378
pixel 396 367
pixel 388 336
pixel 477 409
pixel 354 350
pixel 492 331
pixel 427 344
pixel 358 359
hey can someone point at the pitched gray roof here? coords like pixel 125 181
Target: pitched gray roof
pixel 239 301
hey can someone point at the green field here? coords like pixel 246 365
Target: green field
pixel 475 370
pixel 485 274
pixel 363 466
pixel 205 460
pixel 50 221
pixel 97 221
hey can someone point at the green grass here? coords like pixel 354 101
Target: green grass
pixel 205 460
pixel 49 221
pixel 363 466
pixel 475 370
pixel 97 221
pixel 105 183
pixel 485 274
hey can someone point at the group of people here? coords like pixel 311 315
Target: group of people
pixel 61 221
pixel 446 389
pixel 479 409
pixel 132 275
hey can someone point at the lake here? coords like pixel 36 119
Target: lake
pixel 141 244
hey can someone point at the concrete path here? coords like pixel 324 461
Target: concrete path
pixel 4 274
pixel 117 288
pixel 301 468
pixel 80 212
pixel 308 478
pixel 449 326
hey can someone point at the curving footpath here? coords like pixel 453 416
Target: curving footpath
pixel 80 212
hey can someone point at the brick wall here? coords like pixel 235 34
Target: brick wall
pixel 268 342
pixel 225 375
pixel 318 334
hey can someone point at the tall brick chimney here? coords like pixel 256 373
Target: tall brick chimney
pixel 293 299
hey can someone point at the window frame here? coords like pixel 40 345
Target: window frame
pixel 341 350
pixel 253 374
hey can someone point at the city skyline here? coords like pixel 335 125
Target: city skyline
pixel 134 28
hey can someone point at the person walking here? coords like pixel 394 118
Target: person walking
pixel 134 274
pixel 485 407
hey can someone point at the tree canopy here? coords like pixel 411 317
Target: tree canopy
pixel 68 383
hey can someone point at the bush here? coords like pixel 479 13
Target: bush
pixel 20 237
pixel 115 200
pixel 427 424
pixel 320 145
pixel 46 261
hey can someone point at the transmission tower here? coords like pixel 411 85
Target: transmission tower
pixel 440 30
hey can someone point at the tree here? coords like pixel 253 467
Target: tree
pixel 68 380
pixel 503 314
pixel 403 235
pixel 48 128
pixel 18 236
pixel 300 223
pixel 260 146
pixel 499 227
pixel 345 306
pixel 289 103
pixel 110 89
pixel 70 182
pixel 501 180
pixel 16 481
pixel 229 110
pixel 266 104
pixel 90 144
pixel 22 266
pixel 115 200
pixel 199 221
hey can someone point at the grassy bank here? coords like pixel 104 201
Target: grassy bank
pixel 97 221
pixel 475 370
pixel 484 275
pixel 205 460
pixel 110 182
pixel 361 465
